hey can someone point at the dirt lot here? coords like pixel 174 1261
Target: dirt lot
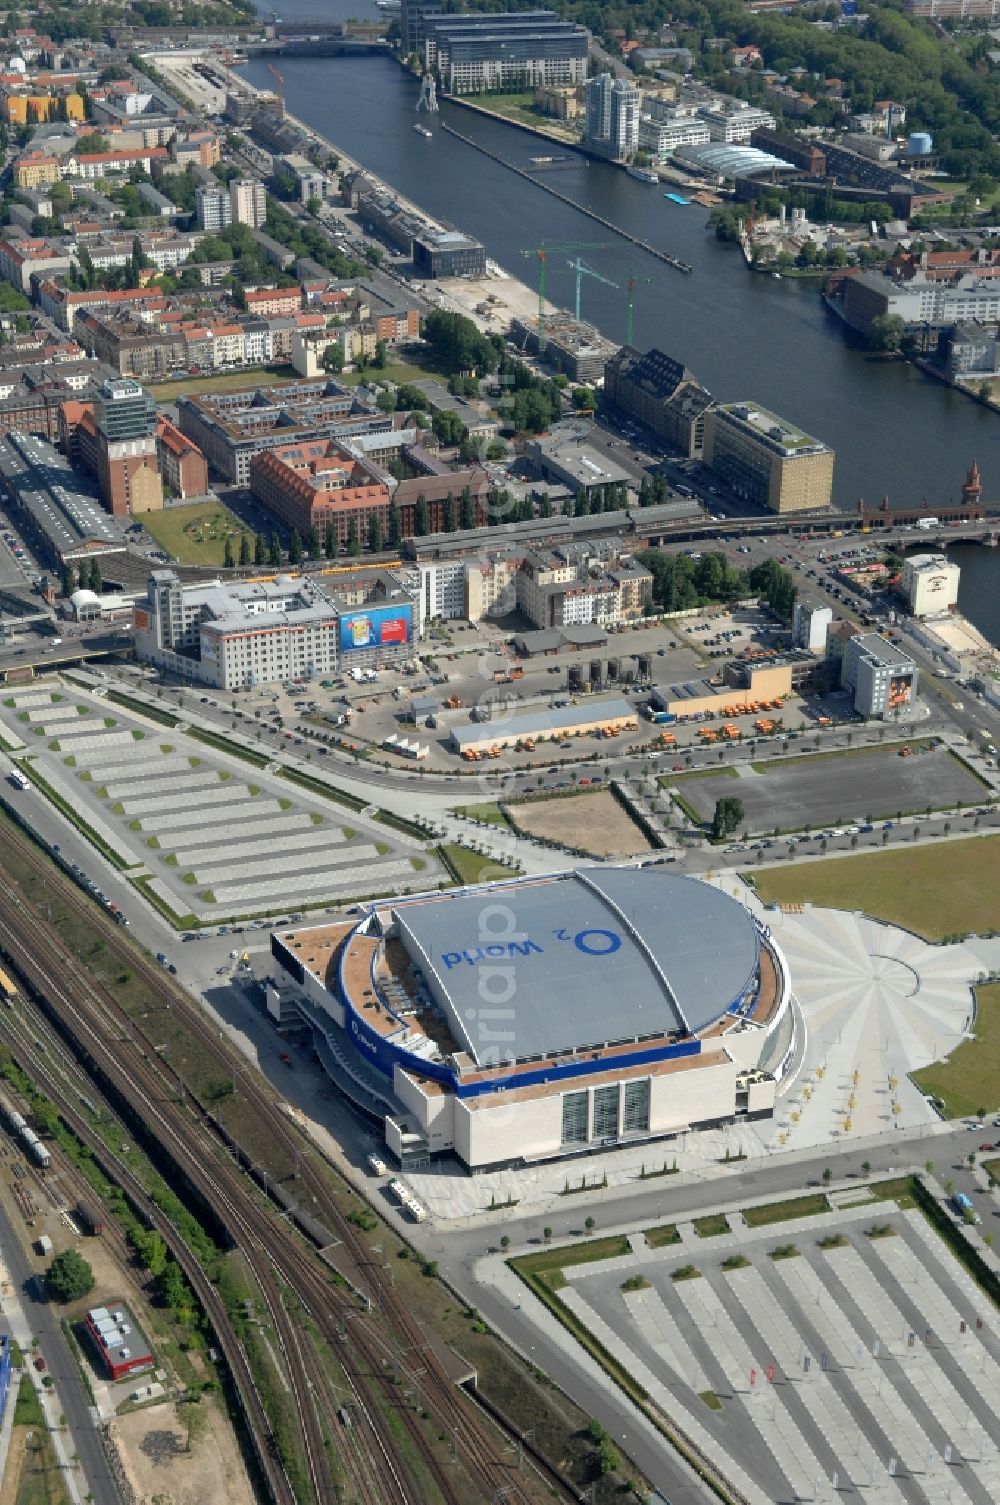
pixel 153 1447
pixel 594 822
pixel 838 787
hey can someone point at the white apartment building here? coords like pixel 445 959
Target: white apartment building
pixel 613 113
pixel 735 120
pixel 660 137
pixel 213 209
pixel 248 201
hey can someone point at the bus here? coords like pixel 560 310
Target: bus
pixel 19 780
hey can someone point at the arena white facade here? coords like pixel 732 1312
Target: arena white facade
pixel 538 1018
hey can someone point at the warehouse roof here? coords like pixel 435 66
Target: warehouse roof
pixel 540 721
pixel 591 958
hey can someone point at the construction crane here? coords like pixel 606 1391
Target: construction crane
pixel 542 253
pixel 583 270
pixel 280 91
pixel 633 283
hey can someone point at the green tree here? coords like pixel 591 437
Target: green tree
pixel 886 332
pixel 68 580
pixel 375 533
pixel 96 582
pixel 729 816
pixel 330 542
pixel 584 399
pixel 333 359
pixel 244 549
pixel 381 359
pixel 227 554
pixel 313 547
pixel 259 549
pixel 69 1276
pixel 295 548
pixel 421 517
pixel 353 541
pixel 395 526
pixel 274 549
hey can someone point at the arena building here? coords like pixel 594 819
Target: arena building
pixel 537 1018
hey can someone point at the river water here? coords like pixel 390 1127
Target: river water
pixel 895 432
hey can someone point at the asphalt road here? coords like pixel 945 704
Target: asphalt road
pixel 62 1366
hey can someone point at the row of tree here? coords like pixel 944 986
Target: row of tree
pixel 681 582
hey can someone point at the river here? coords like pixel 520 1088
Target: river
pixel 895 432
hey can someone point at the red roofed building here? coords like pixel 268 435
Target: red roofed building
pixel 272 302
pixel 92 165
pixel 315 482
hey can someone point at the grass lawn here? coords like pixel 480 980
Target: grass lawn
pixel 490 813
pixel 396 371
pixel 473 867
pixel 574 1254
pixel 660 1238
pixel 935 888
pixel 899 1190
pixel 196 534
pixel 226 381
pixel 970 1078
pixel 780 1212
pixel 711 1226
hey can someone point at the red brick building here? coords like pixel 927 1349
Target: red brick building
pixel 315 482
pixel 183 467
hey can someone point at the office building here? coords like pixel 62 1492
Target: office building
pixel 882 677
pixel 318 482
pixel 128 472
pixel 526 49
pixel 810 625
pixel 930 584
pixel 248 202
pixel 735 121
pixel 237 634
pixel 413 18
pixel 447 253
pixel 213 209
pixel 661 394
pixel 613 113
pixel 767 460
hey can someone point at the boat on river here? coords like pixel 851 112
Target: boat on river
pixel 677 198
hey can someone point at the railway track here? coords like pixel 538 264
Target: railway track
pixel 123 1057
pixel 33 1060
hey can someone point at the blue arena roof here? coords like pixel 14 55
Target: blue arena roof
pixel 545 966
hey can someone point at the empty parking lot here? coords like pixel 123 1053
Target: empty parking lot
pixel 830 788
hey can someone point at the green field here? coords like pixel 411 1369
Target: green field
pixel 938 889
pixel 970 1078
pixel 196 534
pixel 396 371
pixel 226 381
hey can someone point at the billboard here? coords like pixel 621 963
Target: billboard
pixel 376 627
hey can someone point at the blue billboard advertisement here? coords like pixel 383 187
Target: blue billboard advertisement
pixel 376 627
